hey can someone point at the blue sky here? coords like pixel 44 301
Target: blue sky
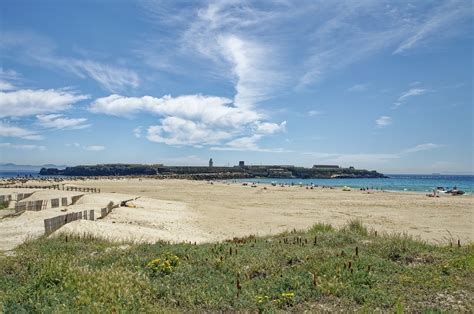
pixel 383 85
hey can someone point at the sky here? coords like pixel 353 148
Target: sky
pixel 374 84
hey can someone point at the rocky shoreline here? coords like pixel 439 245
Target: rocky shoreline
pixel 212 173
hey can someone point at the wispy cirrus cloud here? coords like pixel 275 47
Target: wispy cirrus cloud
pixel 6 145
pixel 60 122
pixel 90 148
pixel 6 86
pixel 7 130
pixel 137 132
pixel 412 92
pixel 439 18
pixel 26 102
pixel 94 148
pixel 370 158
pixel 422 147
pixel 394 26
pixel 358 88
pixel 30 48
pixel 313 113
pixel 224 36
pixel 6 78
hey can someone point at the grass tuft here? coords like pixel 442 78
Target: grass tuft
pixel 356 226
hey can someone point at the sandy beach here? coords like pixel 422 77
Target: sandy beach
pixel 198 211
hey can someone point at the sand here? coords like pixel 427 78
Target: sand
pixel 197 211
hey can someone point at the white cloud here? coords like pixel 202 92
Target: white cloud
pixel 177 131
pixel 5 86
pixel 7 130
pixel 137 132
pixel 422 147
pixel 249 61
pixel 220 33
pixel 358 88
pixel 313 113
pixel 94 148
pixel 383 121
pixel 60 122
pixel 27 102
pixel 191 119
pixel 21 146
pixel 270 128
pixel 73 145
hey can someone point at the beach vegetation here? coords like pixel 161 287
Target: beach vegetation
pixel 3 205
pixel 322 269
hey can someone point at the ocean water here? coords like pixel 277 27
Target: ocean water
pixel 420 183
pixel 25 173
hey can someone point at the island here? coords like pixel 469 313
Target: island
pixel 212 172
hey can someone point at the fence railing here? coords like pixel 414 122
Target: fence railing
pixel 31 205
pixel 44 187
pixel 11 197
pixel 54 187
pixel 5 198
pixel 81 189
pixel 53 224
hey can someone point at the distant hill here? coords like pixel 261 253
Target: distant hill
pixel 15 167
pixel 206 173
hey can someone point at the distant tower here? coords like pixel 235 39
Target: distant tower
pixel 241 164
pixel 211 163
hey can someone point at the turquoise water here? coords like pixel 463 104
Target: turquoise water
pixel 393 182
pixel 421 183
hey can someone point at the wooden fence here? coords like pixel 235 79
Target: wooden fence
pixel 5 198
pixel 31 205
pixel 81 189
pixel 55 202
pixel 55 187
pixel 74 199
pixel 22 196
pixel 53 224
pixel 11 197
pixel 44 187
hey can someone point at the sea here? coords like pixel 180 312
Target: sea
pixel 394 182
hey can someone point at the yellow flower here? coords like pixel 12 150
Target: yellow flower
pixel 288 295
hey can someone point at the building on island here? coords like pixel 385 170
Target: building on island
pixel 211 163
pixel 241 164
pixel 326 167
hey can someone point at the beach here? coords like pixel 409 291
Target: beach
pixel 200 211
